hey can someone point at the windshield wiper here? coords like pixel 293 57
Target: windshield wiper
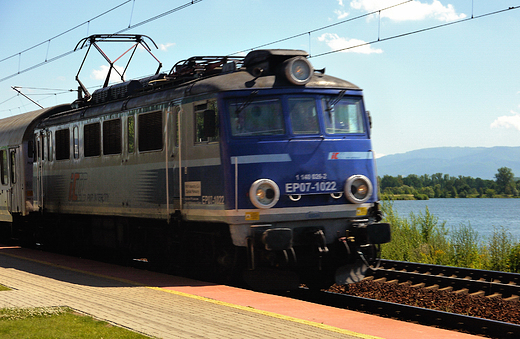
pixel 246 103
pixel 334 102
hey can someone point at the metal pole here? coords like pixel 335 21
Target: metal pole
pixel 31 100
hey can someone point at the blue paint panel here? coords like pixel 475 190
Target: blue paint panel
pixel 306 163
pixel 310 165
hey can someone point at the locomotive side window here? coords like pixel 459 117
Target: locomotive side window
pixel 112 136
pixel 45 152
pixel 262 117
pixel 150 131
pixel 3 167
pixel 304 117
pixel 13 167
pixel 344 116
pixel 62 144
pixel 206 117
pixel 48 139
pixel 131 134
pixel 75 133
pixel 92 140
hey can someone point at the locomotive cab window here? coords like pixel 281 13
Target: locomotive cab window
pixel 112 137
pixel 206 117
pixel 261 117
pixel 304 117
pixel 3 167
pixel 92 140
pixel 150 134
pixel 62 144
pixel 343 116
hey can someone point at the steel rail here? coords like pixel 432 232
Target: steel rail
pixel 424 316
pixel 470 281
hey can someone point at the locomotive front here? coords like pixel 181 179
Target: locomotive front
pixel 301 170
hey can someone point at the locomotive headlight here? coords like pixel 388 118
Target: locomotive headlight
pixel 358 189
pixel 298 70
pixel 264 193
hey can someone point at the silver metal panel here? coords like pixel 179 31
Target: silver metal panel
pixel 13 129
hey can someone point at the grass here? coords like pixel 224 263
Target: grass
pixel 423 238
pixel 56 323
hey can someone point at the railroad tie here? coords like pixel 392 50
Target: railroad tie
pixel 446 289
pixel 513 297
pixel 432 288
pixel 494 295
pixel 478 293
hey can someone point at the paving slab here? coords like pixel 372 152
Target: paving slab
pixel 146 310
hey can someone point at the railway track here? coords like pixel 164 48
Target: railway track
pixel 491 284
pixel 489 290
pixel 429 317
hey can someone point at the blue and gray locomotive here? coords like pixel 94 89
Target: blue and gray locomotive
pixel 258 165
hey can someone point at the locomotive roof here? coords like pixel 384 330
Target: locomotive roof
pixel 260 69
pixel 243 80
pixel 15 129
pixel 206 74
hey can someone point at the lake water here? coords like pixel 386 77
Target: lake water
pixel 481 214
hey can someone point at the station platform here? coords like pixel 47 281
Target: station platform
pixel 166 306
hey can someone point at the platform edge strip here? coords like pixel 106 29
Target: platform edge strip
pixel 268 313
pixel 213 301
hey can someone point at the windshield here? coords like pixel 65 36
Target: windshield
pixel 344 116
pixel 303 115
pixel 304 118
pixel 261 117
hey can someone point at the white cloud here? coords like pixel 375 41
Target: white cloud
pixel 340 2
pixel 165 47
pixel 507 121
pixel 341 14
pixel 336 42
pixel 412 11
pixel 101 73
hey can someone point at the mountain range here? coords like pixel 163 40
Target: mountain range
pixel 476 162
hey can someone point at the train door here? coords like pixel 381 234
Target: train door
pixel 4 187
pixel 39 170
pixel 199 158
pixel 16 203
pixel 171 132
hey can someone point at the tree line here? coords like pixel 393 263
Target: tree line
pixel 441 185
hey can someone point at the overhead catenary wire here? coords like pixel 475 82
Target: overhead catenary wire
pixel 379 39
pixel 321 28
pixel 418 31
pixel 47 61
pixel 64 32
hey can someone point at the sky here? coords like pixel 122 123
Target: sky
pixel 457 85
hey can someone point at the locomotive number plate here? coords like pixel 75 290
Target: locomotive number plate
pixel 310 187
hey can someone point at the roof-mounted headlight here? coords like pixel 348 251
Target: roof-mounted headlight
pixel 264 193
pixel 298 70
pixel 358 189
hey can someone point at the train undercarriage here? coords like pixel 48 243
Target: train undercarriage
pixel 199 250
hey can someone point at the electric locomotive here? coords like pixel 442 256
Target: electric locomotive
pixel 259 165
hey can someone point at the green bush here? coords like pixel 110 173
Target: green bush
pixel 423 238
pixel 513 259
pixel 464 249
